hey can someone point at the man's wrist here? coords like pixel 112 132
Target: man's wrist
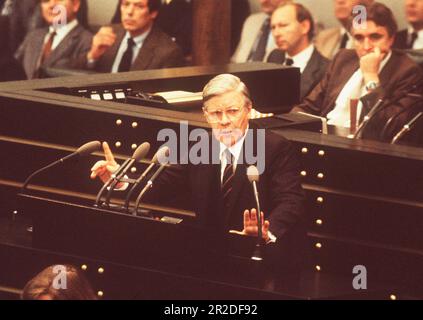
pixel 371 77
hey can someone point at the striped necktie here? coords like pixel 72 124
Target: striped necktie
pixel 228 176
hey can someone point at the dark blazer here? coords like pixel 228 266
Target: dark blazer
pixel 281 194
pixel 75 44
pixel 312 74
pixel 158 51
pixel 401 40
pixel 399 74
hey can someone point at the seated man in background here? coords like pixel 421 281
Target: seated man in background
pixel 256 39
pixel 293 30
pixel 58 45
pixel 331 40
pixel 10 68
pixel 218 190
pixel 370 72
pixel 135 44
pixel 412 37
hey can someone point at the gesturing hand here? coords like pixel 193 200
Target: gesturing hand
pixel 251 225
pixel 105 168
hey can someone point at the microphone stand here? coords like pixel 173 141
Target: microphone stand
pixel 257 255
pixel 147 187
pixel 111 180
pixel 391 119
pixel 136 183
pixel 406 128
pixel 380 103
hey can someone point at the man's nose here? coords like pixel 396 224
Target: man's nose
pixel 367 45
pixel 225 119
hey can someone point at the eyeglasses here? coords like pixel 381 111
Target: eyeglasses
pixel 216 115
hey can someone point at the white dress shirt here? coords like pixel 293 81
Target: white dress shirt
pixel 61 33
pixel 418 44
pixel 350 42
pixel 235 151
pixel 354 89
pixel 301 60
pixel 139 41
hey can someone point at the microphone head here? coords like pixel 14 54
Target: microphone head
pixel 161 156
pixel 141 151
pixel 253 174
pixel 88 148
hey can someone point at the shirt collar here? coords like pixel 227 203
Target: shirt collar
pixel 235 149
pixel 301 59
pixel 139 40
pixel 344 31
pixel 411 31
pixel 63 30
pixel 385 61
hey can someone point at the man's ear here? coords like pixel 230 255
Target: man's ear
pixel 154 14
pixel 76 5
pixel 306 26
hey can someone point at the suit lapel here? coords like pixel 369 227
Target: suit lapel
pixel 308 76
pixel 240 183
pixel 64 46
pixel 333 42
pixel 344 72
pixel 146 53
pixel 37 51
pixel 107 60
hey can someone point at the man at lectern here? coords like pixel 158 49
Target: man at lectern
pixel 218 188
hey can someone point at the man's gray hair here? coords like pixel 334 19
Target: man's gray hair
pixel 224 83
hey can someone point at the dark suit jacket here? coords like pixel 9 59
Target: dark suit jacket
pixel 280 190
pixel 158 51
pixel 75 44
pixel 401 40
pixel 399 74
pixel 312 74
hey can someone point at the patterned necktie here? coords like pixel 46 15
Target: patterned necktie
pixel 259 50
pixel 412 39
pixel 126 62
pixel 47 49
pixel 344 41
pixel 228 176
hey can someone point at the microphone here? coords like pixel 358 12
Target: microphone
pixel 163 159
pixel 154 162
pixel 139 153
pixel 406 128
pixel 373 111
pixel 253 177
pixel 82 151
pixel 381 102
